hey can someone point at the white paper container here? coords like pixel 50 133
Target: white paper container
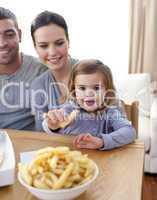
pixel 7 169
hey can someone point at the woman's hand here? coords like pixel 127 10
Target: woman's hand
pixel 87 141
pixel 54 118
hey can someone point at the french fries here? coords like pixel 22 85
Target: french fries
pixel 57 168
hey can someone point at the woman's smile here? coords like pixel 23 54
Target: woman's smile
pixel 54 60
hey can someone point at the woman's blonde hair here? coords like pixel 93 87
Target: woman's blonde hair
pixel 92 66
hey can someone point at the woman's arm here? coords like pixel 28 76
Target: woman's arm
pixel 39 104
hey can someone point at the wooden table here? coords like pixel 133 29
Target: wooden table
pixel 121 170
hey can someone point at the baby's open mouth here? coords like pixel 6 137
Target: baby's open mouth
pixel 89 102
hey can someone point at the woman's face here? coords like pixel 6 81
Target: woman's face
pixel 90 91
pixel 52 46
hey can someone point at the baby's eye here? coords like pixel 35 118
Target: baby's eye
pixel 81 88
pixel 97 87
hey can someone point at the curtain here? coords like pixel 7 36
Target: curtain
pixel 143 37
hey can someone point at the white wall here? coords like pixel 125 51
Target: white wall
pixel 97 28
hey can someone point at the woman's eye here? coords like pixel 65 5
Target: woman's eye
pixel 60 43
pixel 43 46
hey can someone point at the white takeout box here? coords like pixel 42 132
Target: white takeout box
pixel 7 169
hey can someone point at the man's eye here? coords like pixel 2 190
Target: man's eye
pixel 9 35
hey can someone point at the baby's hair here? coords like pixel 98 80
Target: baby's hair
pixel 92 66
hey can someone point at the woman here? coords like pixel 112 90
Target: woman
pixel 49 32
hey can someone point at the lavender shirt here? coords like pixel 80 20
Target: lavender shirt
pixel 111 125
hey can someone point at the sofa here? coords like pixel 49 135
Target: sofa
pixel 133 87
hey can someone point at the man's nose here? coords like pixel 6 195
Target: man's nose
pixel 3 42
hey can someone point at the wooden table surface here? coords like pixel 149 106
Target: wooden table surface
pixel 121 170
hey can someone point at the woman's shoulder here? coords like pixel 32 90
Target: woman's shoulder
pixel 73 61
pixel 43 79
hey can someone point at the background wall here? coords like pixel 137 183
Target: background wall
pixel 97 28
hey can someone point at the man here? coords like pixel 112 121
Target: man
pixel 16 74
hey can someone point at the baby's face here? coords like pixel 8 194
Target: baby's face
pixel 90 91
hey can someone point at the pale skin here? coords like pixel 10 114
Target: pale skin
pixel 90 89
pixel 52 48
pixel 87 141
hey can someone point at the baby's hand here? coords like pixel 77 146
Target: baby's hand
pixel 88 141
pixel 54 118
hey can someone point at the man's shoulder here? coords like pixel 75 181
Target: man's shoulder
pixel 33 63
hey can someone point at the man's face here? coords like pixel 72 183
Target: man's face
pixel 10 37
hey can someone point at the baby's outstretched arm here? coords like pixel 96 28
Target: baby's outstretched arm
pixel 56 118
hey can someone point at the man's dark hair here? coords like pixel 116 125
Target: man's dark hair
pixel 7 14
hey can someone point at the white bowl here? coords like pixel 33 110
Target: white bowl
pixel 61 194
